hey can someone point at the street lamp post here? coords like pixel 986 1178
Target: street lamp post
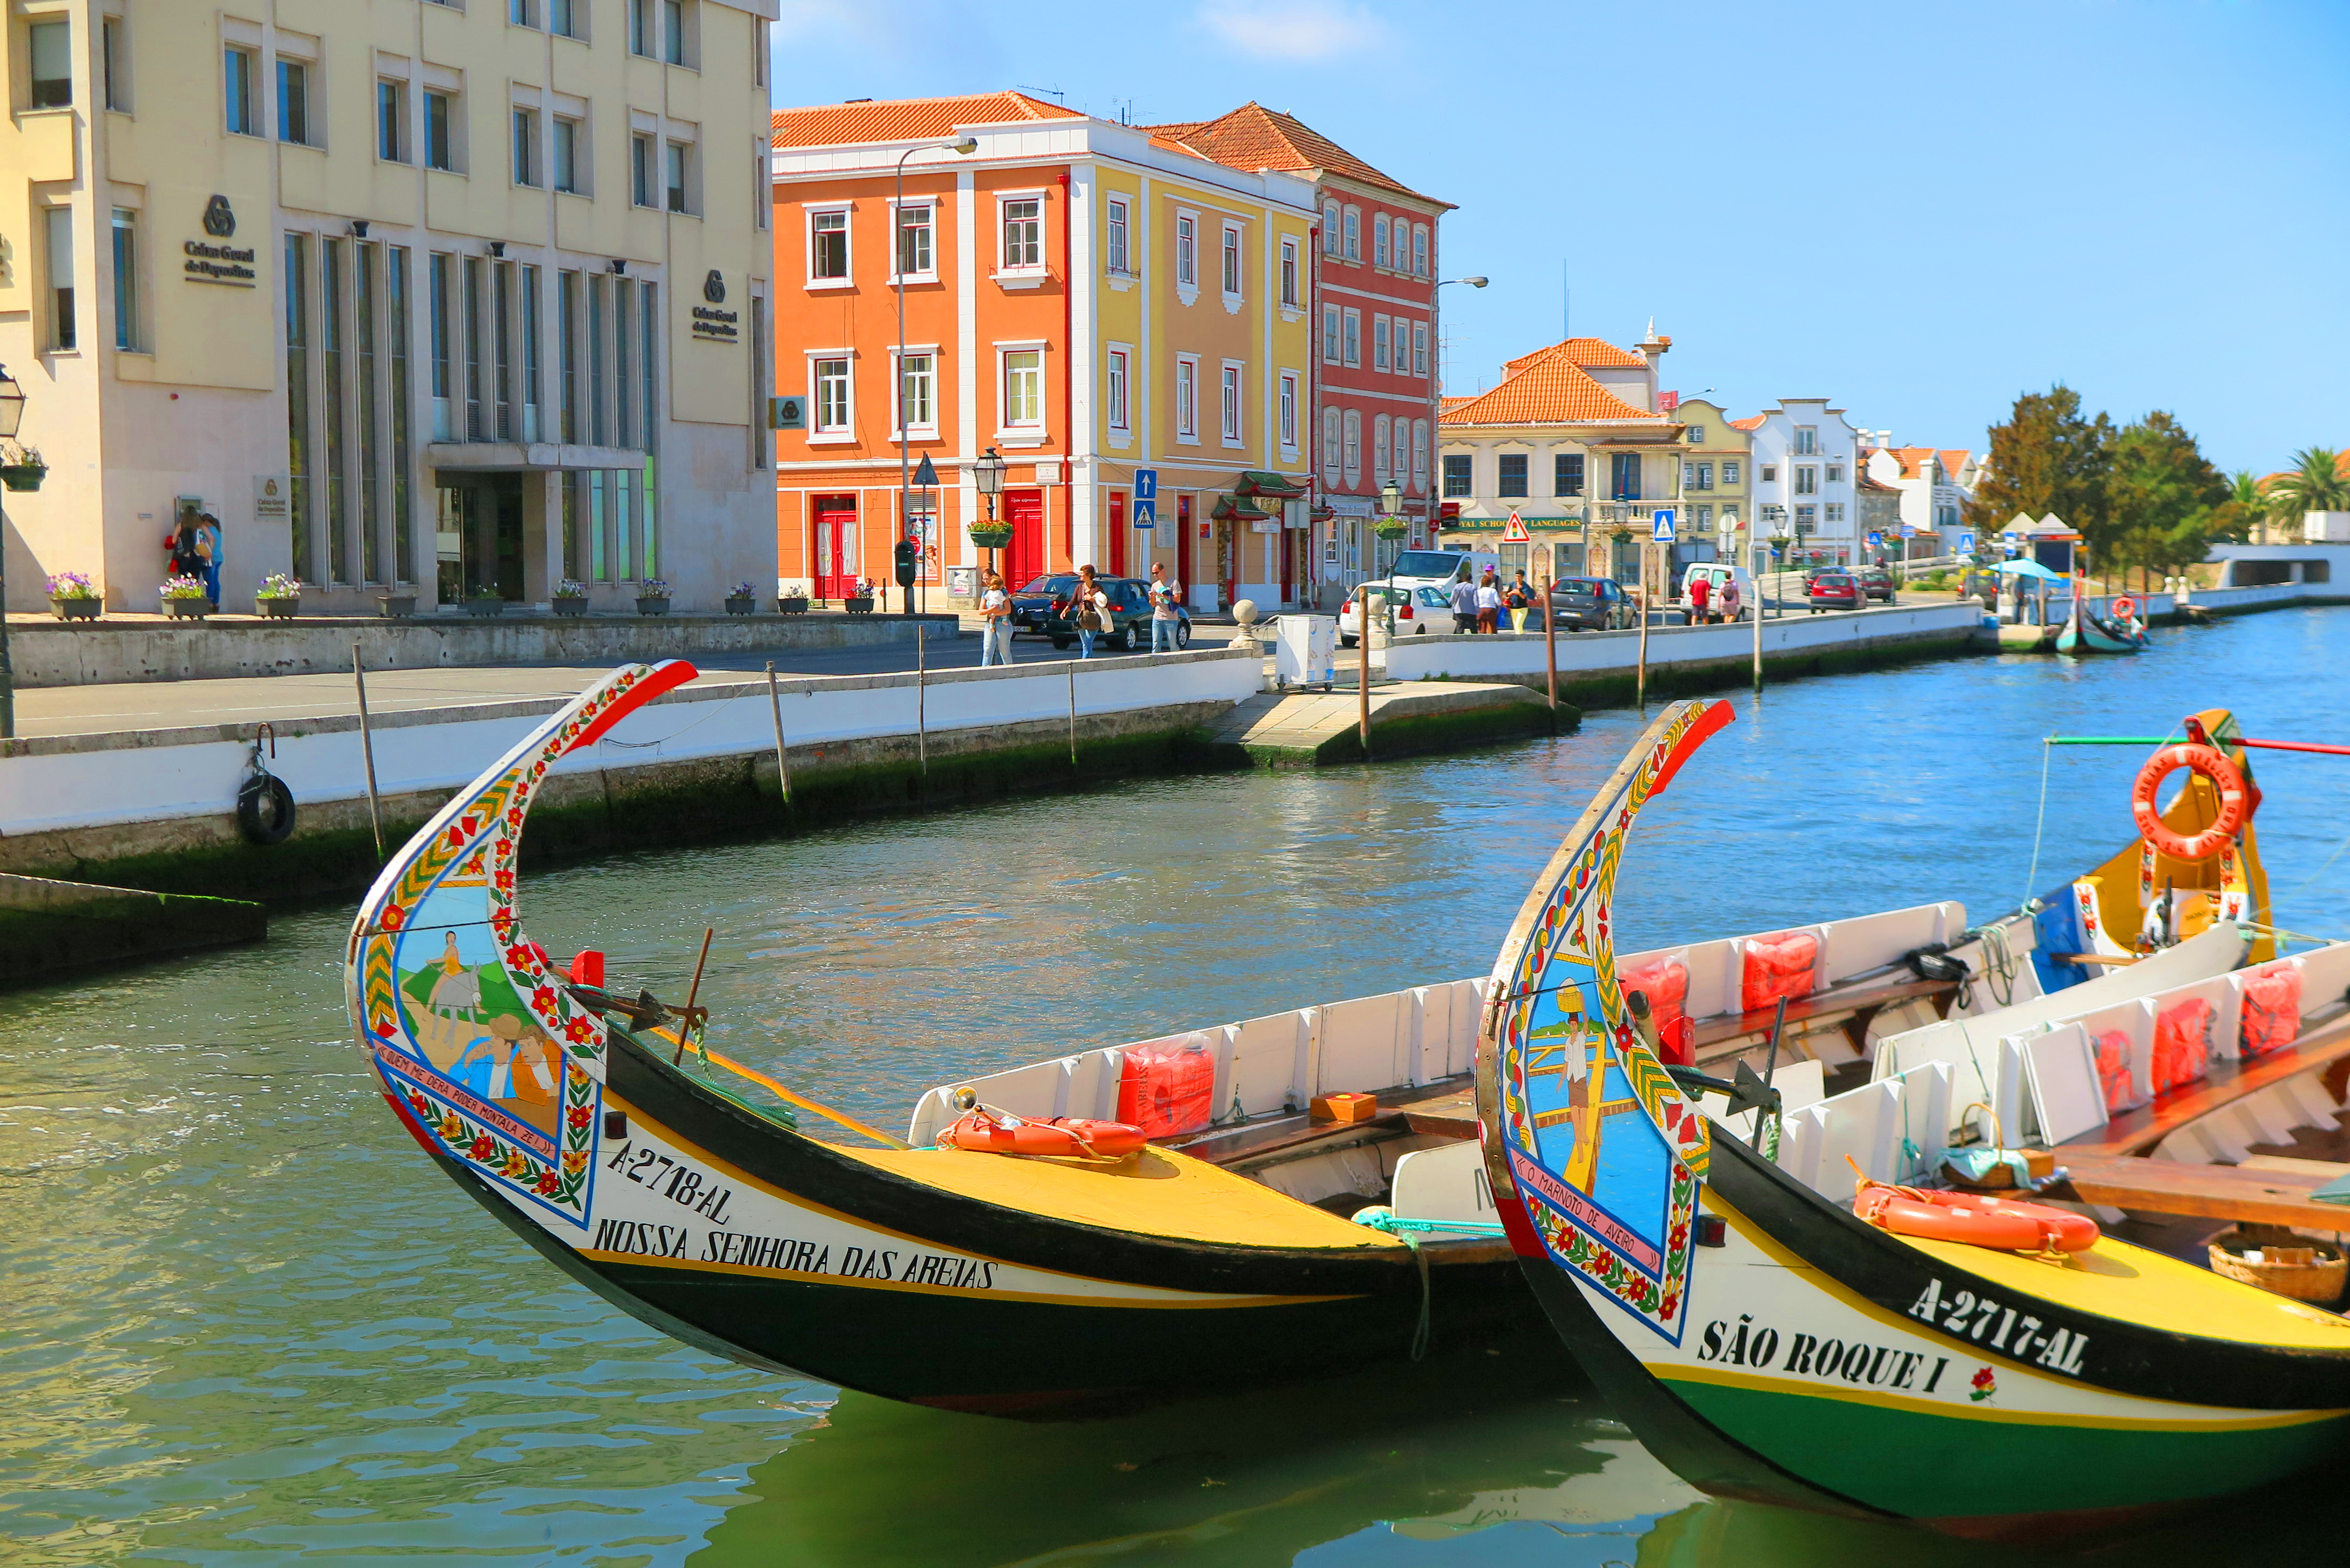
pixel 1436 389
pixel 12 417
pixel 1390 505
pixel 897 274
pixel 987 472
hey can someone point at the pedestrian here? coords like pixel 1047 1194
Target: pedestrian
pixel 1489 603
pixel 1166 617
pixel 1464 605
pixel 186 551
pixel 1700 591
pixel 995 623
pixel 1517 601
pixel 1088 610
pixel 208 541
pixel 1728 603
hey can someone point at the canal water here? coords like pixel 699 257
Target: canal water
pixel 242 1322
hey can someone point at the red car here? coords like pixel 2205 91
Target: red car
pixel 1835 590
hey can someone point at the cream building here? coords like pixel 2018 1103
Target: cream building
pixel 1717 476
pixel 416 298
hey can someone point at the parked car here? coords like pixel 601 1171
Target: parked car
pixel 1437 569
pixel 1876 582
pixel 1715 574
pixel 1418 610
pixel 1834 590
pixel 1033 606
pixel 1129 615
pixel 1591 604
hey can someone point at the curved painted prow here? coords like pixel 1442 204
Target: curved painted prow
pixel 1581 1120
pixel 485 1056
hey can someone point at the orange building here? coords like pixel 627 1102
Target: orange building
pixel 1122 322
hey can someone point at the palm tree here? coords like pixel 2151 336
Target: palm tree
pixel 2314 484
pixel 2244 493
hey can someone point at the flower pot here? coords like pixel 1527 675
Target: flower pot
pixel 858 607
pixel 392 606
pixel 650 605
pixel 992 538
pixel 569 607
pixel 22 475
pixel 485 608
pixel 280 610
pixel 1393 530
pixel 187 609
pixel 77 609
pixel 740 604
pixel 792 607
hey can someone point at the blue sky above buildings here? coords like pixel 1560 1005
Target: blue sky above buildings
pixel 1915 210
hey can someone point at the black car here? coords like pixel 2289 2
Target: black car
pixel 1033 606
pixel 1129 614
pixel 1590 604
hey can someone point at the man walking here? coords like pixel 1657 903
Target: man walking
pixel 995 623
pixel 1464 605
pixel 1165 618
pixel 1699 588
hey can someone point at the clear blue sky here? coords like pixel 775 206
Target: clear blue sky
pixel 1917 210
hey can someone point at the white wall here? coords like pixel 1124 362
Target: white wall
pixel 1594 653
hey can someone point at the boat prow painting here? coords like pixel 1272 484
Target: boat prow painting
pixel 1600 1141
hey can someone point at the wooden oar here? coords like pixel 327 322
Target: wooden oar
pixel 691 992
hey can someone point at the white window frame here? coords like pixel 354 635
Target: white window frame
pixel 1420 455
pixel 1333 336
pixel 1006 268
pixel 525 150
pixel 1330 225
pixel 1187 399
pixel 1232 263
pixel 820 434
pixel 1118 242
pixel 1289 387
pixel 1807 480
pixel 1729 471
pixel 1354 235
pixel 1117 390
pixel 1030 430
pixel 1230 402
pixel 1330 447
pixel 1381 432
pixel 924 205
pixel 1350 338
pixel 1381 334
pixel 1419 348
pixel 1381 232
pixel 1186 253
pixel 1293 297
pixel 927 430
pixel 847 213
pixel 583 179
pixel 1351 455
pixel 1423 245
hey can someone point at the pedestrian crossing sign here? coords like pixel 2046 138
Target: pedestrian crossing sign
pixel 1514 531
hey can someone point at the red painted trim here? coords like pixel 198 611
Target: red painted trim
pixel 1716 716
pixel 666 676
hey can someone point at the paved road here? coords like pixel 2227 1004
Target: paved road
pixel 171 704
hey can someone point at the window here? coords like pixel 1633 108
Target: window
pixel 237 96
pixel 1624 476
pixel 526 147
pixel 1187 269
pixel 1729 471
pixel 297 401
pixel 1807 439
pixel 918 405
pixel 563 17
pixel 1354 235
pixel 1770 474
pixel 1231 405
pixel 1115 251
pixel 680 164
pixel 640 27
pixel 521 13
pixel 1330 447
pixel 1232 255
pixel 1379 342
pixel 1289 274
pixel 1512 482
pixel 1419 249
pixel 113 67
pixel 762 189
pixel 1024 235
pixel 831 378
pixel 828 246
pixel 1329 335
pixel 1697 476
pixel 1834 511
pixel 1419 454
pixel 914 254
pixel 58 225
pixel 1836 473
pixel 1806 519
pixel 641 171
pixel 1023 388
pixel 1400 466
pixel 1354 344
pixel 440 131
pixel 391 122
pixel 1567 474
pixel 673 34
pixel 1807 480
pixel 1380 231
pixel 51 46
pixel 1330 229
pixel 1456 473
pixel 1419 347
pixel 1187 399
pixel 1115 390
pixel 293 101
pixel 1354 446
pixel 1704 518
pixel 564 163
pixel 126 278
pixel 1289 411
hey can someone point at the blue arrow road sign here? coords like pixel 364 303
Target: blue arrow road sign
pixel 1146 498
pixel 1663 521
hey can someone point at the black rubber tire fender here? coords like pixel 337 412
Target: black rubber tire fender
pixel 265 809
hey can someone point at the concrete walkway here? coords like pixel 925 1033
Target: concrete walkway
pixel 1305 729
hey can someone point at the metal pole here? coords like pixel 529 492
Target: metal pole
pixel 1550 646
pixel 7 671
pixel 1758 633
pixel 1363 666
pixel 1073 712
pixel 367 749
pixel 776 707
pixel 898 372
pixel 922 713
pixel 1641 685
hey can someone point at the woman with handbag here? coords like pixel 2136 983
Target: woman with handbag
pixel 1089 610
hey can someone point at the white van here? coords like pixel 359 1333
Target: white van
pixel 1440 568
pixel 1715 574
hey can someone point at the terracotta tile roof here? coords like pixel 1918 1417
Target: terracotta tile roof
pixel 1910 458
pixel 1253 137
pixel 906 118
pixel 1550 391
pixel 1954 459
pixel 1753 424
pixel 1869 483
pixel 1584 352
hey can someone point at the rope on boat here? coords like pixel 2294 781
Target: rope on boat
pixel 2031 877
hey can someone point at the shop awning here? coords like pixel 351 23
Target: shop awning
pixel 1236 508
pixel 1271 486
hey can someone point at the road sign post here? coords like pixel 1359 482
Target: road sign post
pixel 1146 498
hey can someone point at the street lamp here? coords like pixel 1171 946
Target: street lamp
pixel 898 271
pixel 987 472
pixel 12 417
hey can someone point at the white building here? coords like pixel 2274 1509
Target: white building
pixel 1935 484
pixel 1806 458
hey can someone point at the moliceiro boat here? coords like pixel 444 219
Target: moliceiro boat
pixel 1776 1321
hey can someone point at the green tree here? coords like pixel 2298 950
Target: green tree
pixel 2048 458
pixel 2164 500
pixel 2315 483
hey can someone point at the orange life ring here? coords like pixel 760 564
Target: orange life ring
pixel 1064 1137
pixel 1978 1218
pixel 2224 777
pixel 2125 608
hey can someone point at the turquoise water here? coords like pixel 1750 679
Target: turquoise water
pixel 247 1324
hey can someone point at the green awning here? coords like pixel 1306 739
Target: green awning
pixel 1271 486
pixel 1237 508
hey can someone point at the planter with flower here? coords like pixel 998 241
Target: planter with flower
pixel 794 599
pixel 279 596
pixel 183 598
pixel 75 596
pixel 1391 528
pixel 21 467
pixel 992 535
pixel 570 598
pixel 859 602
pixel 485 601
pixel 742 598
pixel 393 607
pixel 652 597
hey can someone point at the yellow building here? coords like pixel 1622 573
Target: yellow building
pixel 447 299
pixel 1717 473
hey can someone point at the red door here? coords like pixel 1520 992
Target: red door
pixel 1023 558
pixel 1188 552
pixel 834 551
pixel 1117 533
pixel 1288 564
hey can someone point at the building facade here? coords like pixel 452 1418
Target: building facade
pixel 1571 440
pixel 415 299
pixel 1109 314
pixel 1374 380
pixel 1934 485
pixel 1805 461
pixel 1717 476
